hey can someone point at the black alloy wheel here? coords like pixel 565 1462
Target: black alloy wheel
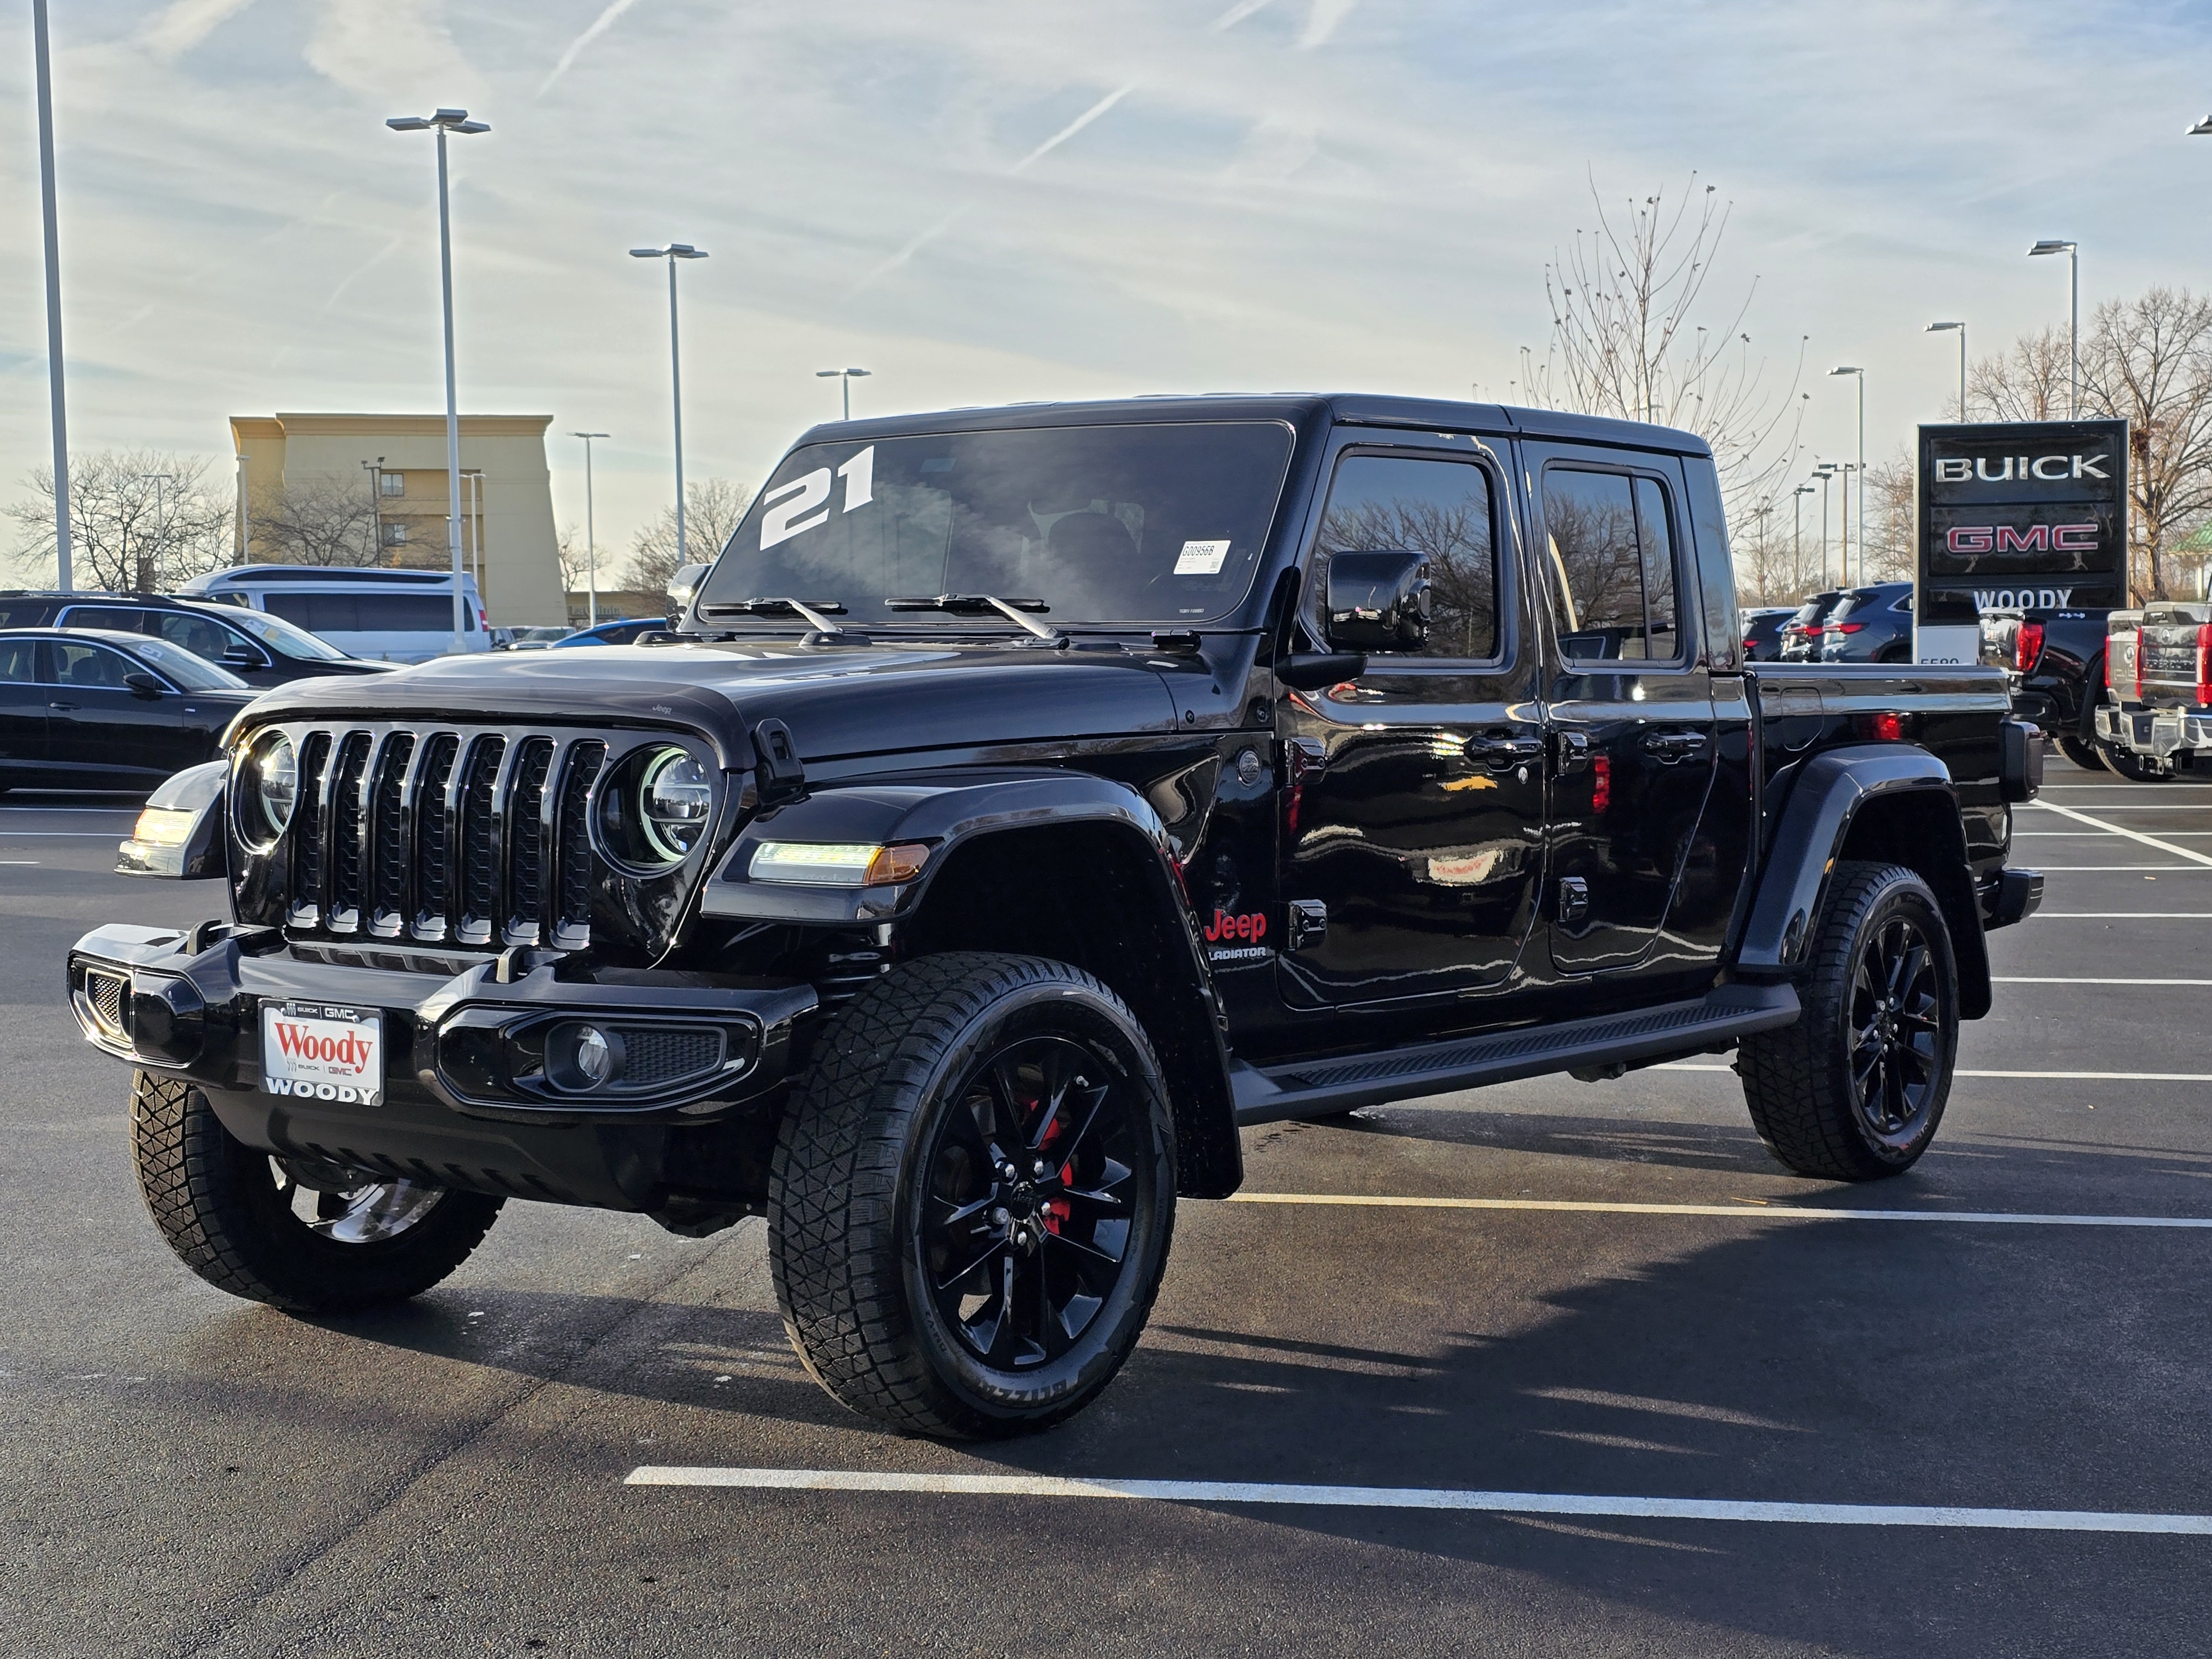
pixel 1897 1040
pixel 1022 1226
pixel 2082 751
pixel 973 1195
pixel 1855 1091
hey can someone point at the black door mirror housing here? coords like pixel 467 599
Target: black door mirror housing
pixel 1376 601
pixel 243 656
pixel 143 686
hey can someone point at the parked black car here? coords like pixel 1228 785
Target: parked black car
pixel 261 649
pixel 1800 635
pixel 624 631
pixel 88 708
pixel 1032 797
pixel 2055 662
pixel 1762 632
pixel 1869 624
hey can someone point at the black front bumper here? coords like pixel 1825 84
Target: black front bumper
pixel 467 1099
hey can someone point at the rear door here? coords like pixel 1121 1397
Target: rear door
pixel 22 708
pixel 1630 700
pixel 1413 818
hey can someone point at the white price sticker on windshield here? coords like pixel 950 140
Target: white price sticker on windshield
pixel 1203 559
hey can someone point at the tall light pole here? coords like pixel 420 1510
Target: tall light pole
pixel 2073 317
pixel 1796 534
pixel 53 295
pixel 673 253
pixel 376 470
pixel 147 569
pixel 1939 328
pixel 245 516
pixel 1824 473
pixel 844 377
pixel 1860 376
pixel 443 122
pixel 591 533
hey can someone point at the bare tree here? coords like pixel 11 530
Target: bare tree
pixel 140 520
pixel 1763 572
pixel 2027 383
pixel 713 508
pixel 318 520
pixel 1625 341
pixel 2148 361
pixel 1891 527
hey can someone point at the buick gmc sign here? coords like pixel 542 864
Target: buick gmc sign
pixel 2018 516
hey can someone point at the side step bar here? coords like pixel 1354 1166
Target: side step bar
pixel 1321 1088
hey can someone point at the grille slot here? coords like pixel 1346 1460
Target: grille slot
pixel 307 831
pixel 387 837
pixel 479 857
pixel 433 844
pixel 525 841
pixel 573 830
pixel 346 835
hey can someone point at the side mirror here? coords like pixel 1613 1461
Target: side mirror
pixel 243 659
pixel 685 583
pixel 143 686
pixel 1376 601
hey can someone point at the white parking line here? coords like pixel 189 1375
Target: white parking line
pixel 2204 859
pixel 57 834
pixel 1758 1209
pixel 2061 979
pixel 1422 1498
pixel 2124 915
pixel 2084 869
pixel 2085 1077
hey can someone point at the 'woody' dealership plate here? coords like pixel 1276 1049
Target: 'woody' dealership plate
pixel 314 1051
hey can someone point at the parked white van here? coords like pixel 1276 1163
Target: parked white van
pixel 386 616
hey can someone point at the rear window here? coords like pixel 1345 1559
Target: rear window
pixel 26 613
pixel 124 618
pixel 367 613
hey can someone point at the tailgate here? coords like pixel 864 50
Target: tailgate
pixel 2171 655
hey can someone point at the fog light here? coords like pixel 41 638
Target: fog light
pixel 594 1059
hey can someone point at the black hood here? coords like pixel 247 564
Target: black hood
pixel 837 701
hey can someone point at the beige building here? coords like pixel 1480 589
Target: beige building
pixel 395 464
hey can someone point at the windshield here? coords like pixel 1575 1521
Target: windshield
pixel 1101 524
pixel 192 673
pixel 286 639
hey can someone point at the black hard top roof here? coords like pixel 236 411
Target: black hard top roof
pixel 1343 408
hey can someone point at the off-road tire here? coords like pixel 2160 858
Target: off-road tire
pixel 217 1203
pixel 1798 1081
pixel 849 1187
pixel 2084 752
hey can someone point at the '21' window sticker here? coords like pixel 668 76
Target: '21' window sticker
pixel 790 508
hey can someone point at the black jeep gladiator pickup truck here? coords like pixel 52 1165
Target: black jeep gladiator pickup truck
pixel 1027 799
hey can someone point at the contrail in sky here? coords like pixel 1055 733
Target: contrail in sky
pixel 600 26
pixel 926 237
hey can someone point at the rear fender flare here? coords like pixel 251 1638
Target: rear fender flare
pixel 1903 807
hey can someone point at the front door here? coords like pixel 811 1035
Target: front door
pixel 1413 818
pixel 99 729
pixel 1631 701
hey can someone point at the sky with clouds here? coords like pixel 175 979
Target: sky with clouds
pixel 992 200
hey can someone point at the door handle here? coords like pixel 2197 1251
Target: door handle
pixel 1675 745
pixel 1501 752
pixel 63 707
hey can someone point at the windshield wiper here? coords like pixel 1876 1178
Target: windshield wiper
pixel 815 614
pixel 982 604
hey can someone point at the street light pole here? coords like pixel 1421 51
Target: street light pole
pixel 1860 376
pixel 1938 328
pixel 2073 252
pixel 844 377
pixel 1798 534
pixel 53 296
pixel 445 121
pixel 673 253
pixel 147 569
pixel 591 533
pixel 1824 472
pixel 245 516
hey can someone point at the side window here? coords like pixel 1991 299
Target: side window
pixel 18 661
pixel 92 666
pixel 1609 542
pixel 1441 508
pixel 194 634
pixel 124 619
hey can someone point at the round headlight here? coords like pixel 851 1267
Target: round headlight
pixel 675 799
pixel 272 787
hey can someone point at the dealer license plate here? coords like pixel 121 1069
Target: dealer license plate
pixel 313 1051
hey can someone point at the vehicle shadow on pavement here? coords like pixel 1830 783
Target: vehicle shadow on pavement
pixel 1608 1138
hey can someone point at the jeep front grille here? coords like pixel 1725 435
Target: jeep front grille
pixel 472 839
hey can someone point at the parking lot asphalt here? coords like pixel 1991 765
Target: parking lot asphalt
pixel 185 1474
